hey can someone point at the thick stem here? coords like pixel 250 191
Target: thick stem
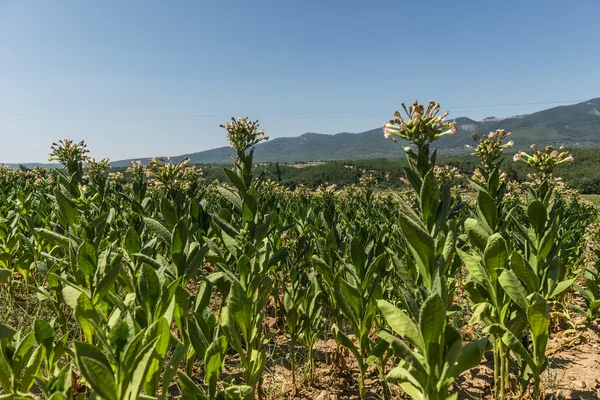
pixel 497 368
pixel 361 384
pixel 384 385
pixel 293 353
pixel 504 372
pixel 536 387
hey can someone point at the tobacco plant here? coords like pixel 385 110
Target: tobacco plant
pixel 489 256
pixel 434 356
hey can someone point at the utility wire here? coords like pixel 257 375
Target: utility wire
pixel 201 116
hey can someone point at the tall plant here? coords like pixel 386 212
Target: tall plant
pixel 435 355
pixel 489 253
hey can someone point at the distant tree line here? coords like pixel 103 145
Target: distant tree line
pixel 583 174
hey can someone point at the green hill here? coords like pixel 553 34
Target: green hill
pixel 574 126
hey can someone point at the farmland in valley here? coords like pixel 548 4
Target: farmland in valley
pixel 429 278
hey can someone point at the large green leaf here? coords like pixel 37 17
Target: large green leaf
pixel 53 237
pixel 429 198
pixel 239 392
pixel 158 229
pixel 421 245
pixel 432 319
pixel 406 354
pixel 6 331
pixel 562 286
pixel 190 391
pixel 96 369
pixel 513 288
pixel 140 370
pixel 401 323
pixel 524 272
pixel 240 308
pixel 538 316
pixel 5 275
pixel 517 347
pixel 213 362
pixel 495 255
pixel 231 197
pixel 537 214
pixel 87 259
pixel 22 353
pixel 67 208
pixel 32 368
pixel 168 212
pixel 487 209
pixel 149 288
pixel 469 357
pixel 160 332
pixel 478 273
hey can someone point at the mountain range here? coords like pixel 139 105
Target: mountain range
pixel 576 125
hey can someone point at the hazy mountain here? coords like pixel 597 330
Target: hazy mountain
pixel 575 125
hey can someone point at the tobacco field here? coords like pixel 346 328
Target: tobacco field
pixel 156 284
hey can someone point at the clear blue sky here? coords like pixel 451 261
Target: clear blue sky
pixel 144 78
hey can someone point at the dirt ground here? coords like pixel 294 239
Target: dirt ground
pixel 573 372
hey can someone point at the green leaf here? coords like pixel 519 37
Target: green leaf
pixel 524 271
pixel 562 286
pixel 231 197
pixel 513 288
pixel 240 308
pixel 105 282
pixel 96 369
pixel 469 357
pixel 486 208
pixel 32 368
pixel 481 313
pixel 5 275
pixel 495 255
pixel 538 316
pixel 5 375
pixel 429 198
pixel 236 180
pixel 405 354
pixel 138 376
pixel 53 237
pixel 479 273
pixel 67 208
pixel 22 353
pixel 421 245
pixel 6 331
pixel 213 362
pixel 168 212
pixel 133 242
pixel 538 215
pixel 348 299
pixel 407 381
pixel 432 319
pixel 358 255
pixel 158 331
pixel 189 389
pixel 100 378
pixel 87 259
pixel 149 288
pixel 401 323
pixel 158 229
pixel 240 392
pixel 345 341
pixel 171 370
pixel 517 347
pixel 225 226
pixel 44 334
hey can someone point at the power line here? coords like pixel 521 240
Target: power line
pixel 201 116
